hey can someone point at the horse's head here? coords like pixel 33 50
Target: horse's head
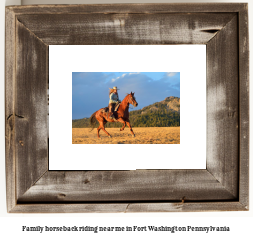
pixel 132 100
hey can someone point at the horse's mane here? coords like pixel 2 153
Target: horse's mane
pixel 129 94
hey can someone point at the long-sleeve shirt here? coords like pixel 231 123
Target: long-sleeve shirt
pixel 113 98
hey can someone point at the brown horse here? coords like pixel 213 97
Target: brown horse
pixel 122 115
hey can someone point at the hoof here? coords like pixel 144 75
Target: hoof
pixel 110 136
pixel 99 138
pixel 133 135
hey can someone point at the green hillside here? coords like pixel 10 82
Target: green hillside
pixel 160 114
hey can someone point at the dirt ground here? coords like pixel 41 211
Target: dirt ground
pixel 143 135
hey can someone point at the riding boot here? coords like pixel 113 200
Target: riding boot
pixel 114 117
pixel 111 115
pixel 111 111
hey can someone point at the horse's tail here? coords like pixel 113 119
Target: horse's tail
pixel 93 121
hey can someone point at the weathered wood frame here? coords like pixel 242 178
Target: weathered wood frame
pixel 222 186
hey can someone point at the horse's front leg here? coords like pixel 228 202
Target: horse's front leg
pixel 124 124
pixel 129 125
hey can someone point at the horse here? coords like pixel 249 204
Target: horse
pixel 122 115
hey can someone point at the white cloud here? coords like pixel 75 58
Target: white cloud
pixel 113 80
pixel 171 74
pixel 122 76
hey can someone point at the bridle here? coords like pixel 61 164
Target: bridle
pixel 133 100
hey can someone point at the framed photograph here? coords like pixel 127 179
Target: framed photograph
pixel 158 126
pixel 165 88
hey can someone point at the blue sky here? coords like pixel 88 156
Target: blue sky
pixel 90 90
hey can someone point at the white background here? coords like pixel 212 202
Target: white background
pixel 190 61
pixel 240 222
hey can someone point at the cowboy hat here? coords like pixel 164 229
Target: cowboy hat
pixel 114 88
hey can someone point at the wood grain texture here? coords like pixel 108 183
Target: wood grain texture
pixel 30 109
pixel 129 207
pixel 222 107
pixel 186 207
pixel 9 108
pixel 223 186
pixel 140 185
pixel 244 106
pixel 122 29
pixel 155 8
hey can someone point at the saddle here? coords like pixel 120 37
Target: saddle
pixel 106 109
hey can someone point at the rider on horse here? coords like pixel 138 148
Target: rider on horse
pixel 114 100
pixel 122 115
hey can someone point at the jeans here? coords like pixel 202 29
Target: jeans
pixel 111 109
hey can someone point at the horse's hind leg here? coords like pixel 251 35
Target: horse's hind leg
pixel 103 128
pixel 101 122
pixel 98 129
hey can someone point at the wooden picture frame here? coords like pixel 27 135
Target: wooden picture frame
pixel 222 186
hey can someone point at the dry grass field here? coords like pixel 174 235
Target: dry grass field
pixel 143 135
